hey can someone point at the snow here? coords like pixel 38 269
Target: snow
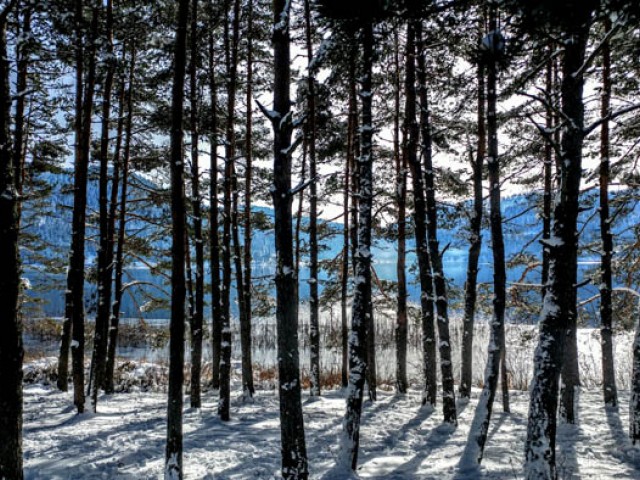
pixel 399 439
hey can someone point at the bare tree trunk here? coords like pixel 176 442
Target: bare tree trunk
pixel 547 180
pixel 439 281
pixel 231 57
pixel 105 269
pixel 496 347
pixel 214 246
pixel 11 347
pixel 634 404
pixel 362 297
pixel 559 301
pixel 196 205
pixel 401 203
pixel 294 452
pixel 412 134
pixel 22 78
pixel 344 273
pixel 74 308
pixel 314 320
pixel 248 386
pixel 606 335
pixel 475 244
pixel 173 454
pixel 121 167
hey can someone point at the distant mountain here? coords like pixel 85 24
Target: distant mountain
pixel 50 225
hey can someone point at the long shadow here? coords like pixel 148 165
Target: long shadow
pixel 436 438
pixel 566 454
pixel 619 434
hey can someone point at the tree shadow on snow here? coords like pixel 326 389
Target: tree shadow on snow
pixel 436 438
pixel 625 452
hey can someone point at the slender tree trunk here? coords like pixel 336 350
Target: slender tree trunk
pixel 216 305
pixel 105 270
pixel 121 167
pixel 559 301
pixel 344 272
pixel 196 205
pixel 475 245
pixel 496 342
pixel 74 308
pixel 173 454
pixel 362 297
pixel 412 134
pixel 294 452
pixel 547 181
pixel 248 386
pixel 350 209
pixel 22 79
pixel 314 320
pixel 11 348
pixel 439 281
pixel 606 334
pixel 401 204
pixel 634 404
pixel 231 57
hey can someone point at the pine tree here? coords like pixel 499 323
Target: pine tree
pixel 11 348
pixel 173 455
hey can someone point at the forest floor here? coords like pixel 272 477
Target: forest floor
pixel 399 439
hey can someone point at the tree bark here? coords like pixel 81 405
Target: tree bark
pixel 214 245
pixel 121 167
pixel 547 180
pixel 173 454
pixel 196 205
pixel 231 56
pixel 606 334
pixel 559 301
pixel 401 204
pixel 248 386
pixel 412 134
pixel 11 347
pixel 293 447
pixel 74 308
pixel 475 245
pixel 496 347
pixel 314 318
pixel 362 297
pixel 439 281
pixel 105 269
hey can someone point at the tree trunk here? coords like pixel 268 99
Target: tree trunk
pixel 439 281
pixel 214 245
pixel 231 57
pixel 496 343
pixel 248 386
pixel 173 454
pixel 401 204
pixel 314 319
pixel 105 270
pixel 475 246
pixel 412 134
pixel 344 273
pixel 121 167
pixel 293 447
pixel 19 133
pixel 362 297
pixel 11 349
pixel 559 301
pixel 547 180
pixel 196 205
pixel 606 334
pixel 74 308
pixel 634 404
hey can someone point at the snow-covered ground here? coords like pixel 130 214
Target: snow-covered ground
pixel 400 440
